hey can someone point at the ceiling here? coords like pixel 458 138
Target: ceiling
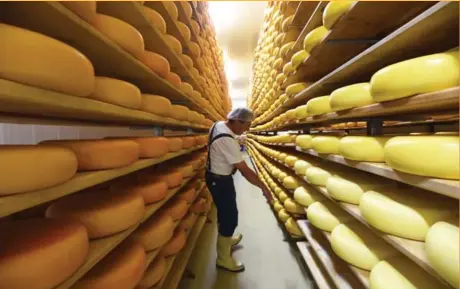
pixel 237 25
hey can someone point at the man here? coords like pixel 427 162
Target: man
pixel 224 158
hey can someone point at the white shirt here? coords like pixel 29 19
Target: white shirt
pixel 224 152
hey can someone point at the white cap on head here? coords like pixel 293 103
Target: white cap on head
pixel 241 114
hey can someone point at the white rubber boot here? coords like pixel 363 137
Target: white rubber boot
pixel 224 255
pixel 237 239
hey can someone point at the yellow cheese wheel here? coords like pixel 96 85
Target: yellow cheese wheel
pixel 152 190
pixel 31 58
pixel 29 168
pixel 179 112
pixel 174 43
pixel 298 58
pixel 175 144
pixel 176 244
pixel 171 7
pixel 363 148
pixel 283 215
pixel 188 221
pixel 290 183
pixel 116 92
pixel 155 19
pixel 287 69
pixel 301 166
pixel 195 26
pixel 121 268
pixel 85 9
pixel 432 156
pixel 349 187
pixel 188 142
pixel 176 208
pixel 305 196
pixel 280 78
pixel 304 141
pixel 405 213
pixel 155 232
pixel 195 48
pixel 187 61
pixel 156 63
pixel 296 88
pixel 286 23
pixel 317 176
pixel 315 37
pixel 174 80
pixel 318 105
pixel 292 207
pixel 278 62
pixel 184 30
pixel 334 10
pixel 326 144
pixel 187 10
pixel 103 212
pixel 293 228
pixel 301 112
pixel 156 104
pixel 122 33
pixel 351 96
pixel 153 274
pixel 186 88
pixel 187 171
pixel 278 206
pixel 173 177
pixel 285 48
pixel 152 147
pixel 415 76
pixel 359 246
pixel 40 253
pixel 290 160
pixel 326 215
pixel 283 196
pixel 442 250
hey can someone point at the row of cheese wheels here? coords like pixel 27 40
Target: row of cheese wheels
pixel 399 80
pixel 34 167
pixel 396 210
pixel 62 238
pixel 423 155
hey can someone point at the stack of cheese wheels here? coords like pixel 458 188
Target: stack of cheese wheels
pixel 152 147
pixel 431 156
pixel 293 228
pixel 175 144
pixel 40 253
pixel 317 176
pixel 326 144
pixel 416 76
pixel 153 274
pixel 39 167
pixel 86 10
pixel 100 154
pixel 152 189
pixel 68 71
pixel 406 213
pixel 156 104
pixel 304 141
pixel 155 232
pixel 305 196
pixel 319 105
pixel 103 212
pixel 334 11
pixel 121 268
pixel 176 243
pixel 359 246
pixel 363 148
pixel 326 215
pixel 351 96
pixel 157 63
pixel 315 37
pixel 117 92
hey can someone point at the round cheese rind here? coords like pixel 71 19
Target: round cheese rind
pixel 326 144
pixel 305 196
pixel 116 92
pixel 172 9
pixel 179 112
pixel 151 190
pixel 157 63
pixel 363 148
pixel 317 176
pixel 152 147
pixel 156 104
pixel 349 188
pixel 304 141
pixel 283 215
pixel 155 19
pixel 351 96
pixel 325 215
pixel 174 245
pixel 292 207
pixel 301 166
pixel 155 232
pixel 319 105
pixel 334 10
pixel 153 274
pixel 315 37
pixel 175 144
pixel 292 227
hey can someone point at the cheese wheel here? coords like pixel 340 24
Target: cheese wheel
pixel 326 215
pixel 34 59
pixel 285 48
pixel 188 221
pixel 278 206
pixel 405 213
pixel 184 30
pixel 152 190
pixel 173 177
pixel 349 188
pixel 334 10
pixel 122 33
pixel 292 207
pixel 30 168
pixel 283 196
pixel 298 58
pixel 442 250
pixel 103 212
pixel 318 105
pixel 283 215
pixel 155 232
pixel 415 76
pixel 174 79
pixel 280 78
pixel 293 228
pixel 155 19
pixel 317 176
pixel 187 8
pixel 152 147
pixel 194 48
pixel 326 144
pixel 286 23
pixel 278 62
pixel 351 96
pixel 85 9
pixel 121 268
pixel 173 43
pixel 315 37
pixel 301 112
pixel 156 63
pixel 179 112
pixel 187 61
pixel 40 253
pixel 287 69
pixel 187 171
pixel 290 160
pixel 116 92
pixel 156 104
pixel 304 141
pixel 172 9
pixel 175 144
pixel 401 273
pixel 177 208
pixel 186 88
pixel 301 166
pixel 153 274
pixel 363 148
pixel 199 206
pixel 176 244
pixel 359 246
pixel 296 88
pixel 431 156
pixel 195 26
pixel 188 142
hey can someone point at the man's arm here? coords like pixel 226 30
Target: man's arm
pixel 252 177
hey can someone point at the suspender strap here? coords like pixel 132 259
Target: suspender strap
pixel 210 142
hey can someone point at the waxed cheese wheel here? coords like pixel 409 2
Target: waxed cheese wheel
pixel 155 19
pixel 172 9
pixel 286 23
pixel 301 166
pixel 153 274
pixel 100 154
pixel 179 112
pixel 285 48
pixel 350 187
pixel 152 190
pixel 315 37
pixel 155 232
pixel 292 207
pixel 287 69
pixel 415 76
pixel 283 215
pixel 278 206
pixel 103 212
pixel 116 92
pixel 175 144
pixel 40 253
pixel 290 183
pixel 188 195
pixel 326 144
pixel 176 208
pixel 187 61
pixel 298 58
pixel 188 142
pixel 186 88
pixel 195 49
pixel 290 160
pixel 301 112
pixel 326 215
pixel 29 168
pixel 359 246
pixel 334 10
pixel 85 9
pixel 121 268
pixel 175 44
pixel 304 141
pixel 351 96
pixel 122 33
pixel 174 79
pixel 280 78
pixel 296 88
pixel 318 105
pixel 442 250
pixel 405 213
pixel 152 147
pixel 184 30
pixel 188 221
pixel 188 11
pixel 176 244
pixel 156 63
pixel 156 104
pixel 292 227
pixel 199 206
pixel 172 177
pixel 34 59
pixel 305 196
pixel 317 176
pixel 363 148
pixel 283 196
pixel 431 156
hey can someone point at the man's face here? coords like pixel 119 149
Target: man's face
pixel 242 126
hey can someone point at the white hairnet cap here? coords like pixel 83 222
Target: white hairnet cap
pixel 241 113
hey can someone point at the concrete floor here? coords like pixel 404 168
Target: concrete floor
pixel 271 262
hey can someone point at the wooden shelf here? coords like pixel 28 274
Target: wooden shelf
pixel 15 203
pixel 321 277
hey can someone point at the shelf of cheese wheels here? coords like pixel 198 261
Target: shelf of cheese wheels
pixel 412 45
pixel 114 77
pixel 401 232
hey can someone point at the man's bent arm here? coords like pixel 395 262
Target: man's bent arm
pixel 252 177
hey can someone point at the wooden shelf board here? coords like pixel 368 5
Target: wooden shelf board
pixel 322 279
pixel 304 12
pixel 151 255
pixel 15 203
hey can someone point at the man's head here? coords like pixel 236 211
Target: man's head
pixel 239 120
